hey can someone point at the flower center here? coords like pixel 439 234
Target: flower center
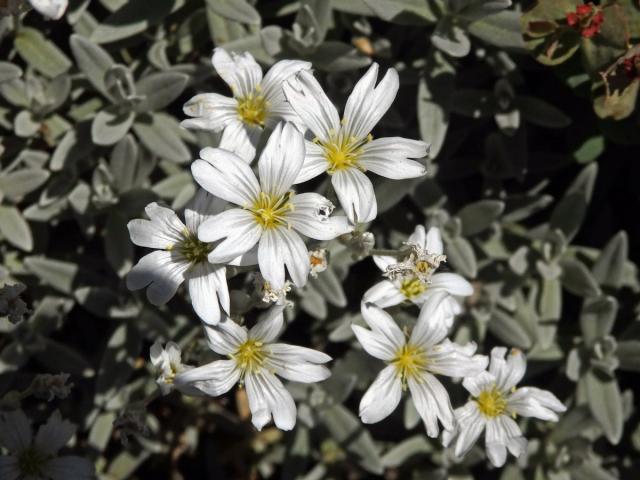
pixel 253 109
pixel 271 211
pixel 412 287
pixel 250 356
pixel 423 267
pixel 193 249
pixel 343 153
pixel 491 403
pixel 409 360
pixel 30 462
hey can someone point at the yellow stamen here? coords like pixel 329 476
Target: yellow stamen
pixel 250 356
pixel 409 361
pixel 253 109
pixel 491 403
pixel 271 211
pixel 412 287
pixel 342 153
pixel 193 249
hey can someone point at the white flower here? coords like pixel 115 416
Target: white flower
pixel 495 404
pixel 415 279
pixel 271 215
pixel 181 256
pixel 168 363
pixel 256 104
pixel 53 9
pixel 345 149
pixel 36 458
pixel 413 361
pixel 254 360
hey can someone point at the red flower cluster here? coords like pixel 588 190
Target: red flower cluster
pixel 587 19
pixel 631 66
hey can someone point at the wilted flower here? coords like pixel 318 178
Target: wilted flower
pixel 168 363
pixel 318 261
pixel 412 362
pixel 36 458
pixel 49 386
pixel 256 104
pixel 268 293
pixel 11 305
pixel 270 214
pixel 181 256
pixel 254 361
pixel 413 278
pixel 495 404
pixel 345 148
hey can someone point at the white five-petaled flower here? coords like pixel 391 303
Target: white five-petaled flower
pixel 254 360
pixel 416 279
pixel 345 149
pixel 495 403
pixel 413 361
pixel 36 458
pixel 168 362
pixel 53 9
pixel 270 214
pixel 257 102
pixel 181 256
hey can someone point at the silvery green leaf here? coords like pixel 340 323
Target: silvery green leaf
pixel 159 133
pixel 75 145
pixel 507 328
pixel 61 276
pixel 15 92
pixel 15 185
pixel 117 246
pixel 126 463
pixel 590 149
pixel 390 192
pixel 577 279
pixel 223 31
pixel 93 60
pixel 25 124
pixel 56 93
pixel 335 56
pixel 346 428
pixel 597 318
pixel 9 71
pixel 172 185
pixel 451 38
pixel 101 431
pixel 124 163
pixel 313 303
pixel 476 9
pixel 574 365
pixel 104 303
pixel 111 125
pixel 160 89
pixel 541 113
pixel 330 287
pixel 501 29
pixel 236 10
pixel 80 198
pixel 479 216
pixel 132 18
pixel 461 256
pixel 404 12
pixel 550 303
pixel 628 353
pixel 605 403
pixel 523 206
pixel 608 270
pixel 405 450
pixel 15 229
pixel 40 53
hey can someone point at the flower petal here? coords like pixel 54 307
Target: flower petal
pixel 226 337
pixel 281 159
pixel 215 378
pixel 382 323
pixel 508 373
pixel 163 230
pixel 356 195
pixel 70 466
pixel 310 216
pixel 374 343
pixel 241 232
pixel 470 426
pixel 202 207
pixel 390 157
pixel 272 85
pixel 9 467
pixel 537 403
pixel 432 403
pixel 382 397
pixel 206 284
pixel 226 175
pixel 161 272
pixel 53 9
pixel 453 360
pixel 314 164
pixel 475 384
pixel 451 283
pixel 433 242
pixel 15 431
pixel 269 326
pixel 268 397
pixel 54 434
pixel 418 237
pixel 211 111
pixel 242 139
pixel 430 328
pixel 312 105
pixel 279 247
pixel 240 71
pixel 384 294
pixel 367 103
pixel 298 364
